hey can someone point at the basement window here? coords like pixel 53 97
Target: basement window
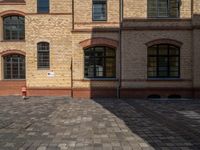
pixel 14 66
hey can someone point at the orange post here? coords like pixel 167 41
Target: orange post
pixel 24 92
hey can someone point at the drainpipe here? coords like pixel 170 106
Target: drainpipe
pixel 72 15
pixel 71 67
pixel 193 51
pixel 121 11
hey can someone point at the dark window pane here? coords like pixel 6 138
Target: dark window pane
pixel 110 52
pixel 152 50
pixel 173 50
pixel 99 51
pixel 152 8
pixel 163 8
pixel 43 55
pixel 110 67
pixel 99 66
pixel 14 67
pixel 100 62
pixel 174 8
pixel 14 28
pixel 163 50
pixel 99 10
pixel 43 6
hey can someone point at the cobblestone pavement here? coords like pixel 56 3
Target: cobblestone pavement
pixel 179 116
pixel 42 123
pixel 60 123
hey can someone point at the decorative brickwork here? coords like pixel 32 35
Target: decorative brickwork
pixel 99 41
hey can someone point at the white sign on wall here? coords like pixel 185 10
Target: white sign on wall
pixel 51 74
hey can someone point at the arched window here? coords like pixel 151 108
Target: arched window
pixel 43 55
pixel 100 62
pixel 14 28
pixel 14 66
pixel 163 61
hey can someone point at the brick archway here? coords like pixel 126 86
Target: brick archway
pixel 164 41
pixel 11 12
pixel 99 41
pixel 7 52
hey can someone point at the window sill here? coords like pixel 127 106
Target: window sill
pixel 43 69
pixel 164 79
pixel 46 13
pixel 100 79
pixel 163 19
pixel 99 21
pixel 13 80
pixel 13 41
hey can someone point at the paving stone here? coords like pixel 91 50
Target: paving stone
pixel 61 123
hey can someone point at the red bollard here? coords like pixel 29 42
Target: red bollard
pixel 24 92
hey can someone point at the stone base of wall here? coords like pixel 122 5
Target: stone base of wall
pixel 197 93
pixel 14 88
pixel 11 87
pixel 162 92
pixel 48 92
pixel 94 93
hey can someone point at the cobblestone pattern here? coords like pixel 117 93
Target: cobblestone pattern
pixel 59 123
pixel 183 117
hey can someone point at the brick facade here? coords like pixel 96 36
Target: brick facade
pixel 69 28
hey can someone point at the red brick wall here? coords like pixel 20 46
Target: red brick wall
pixel 11 87
pixel 48 92
pixel 163 92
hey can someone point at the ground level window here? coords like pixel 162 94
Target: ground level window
pixel 14 66
pixel 100 62
pixel 163 61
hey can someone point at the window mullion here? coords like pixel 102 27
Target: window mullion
pixel 104 62
pixel 168 62
pixel 11 67
pixel 94 62
pixel 157 63
pixel 19 73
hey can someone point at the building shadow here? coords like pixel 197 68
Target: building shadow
pixel 157 134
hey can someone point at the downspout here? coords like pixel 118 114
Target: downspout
pixel 72 15
pixel 193 53
pixel 121 11
pixel 71 68
pixel 72 94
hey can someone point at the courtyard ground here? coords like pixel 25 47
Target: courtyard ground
pixel 61 123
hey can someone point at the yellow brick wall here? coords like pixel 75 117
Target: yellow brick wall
pixel 138 9
pixel 64 44
pixel 83 11
pixel 56 6
pixel 135 56
pixel 78 59
pixel 83 15
pixel 55 29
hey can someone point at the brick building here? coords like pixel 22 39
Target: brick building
pixel 100 48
